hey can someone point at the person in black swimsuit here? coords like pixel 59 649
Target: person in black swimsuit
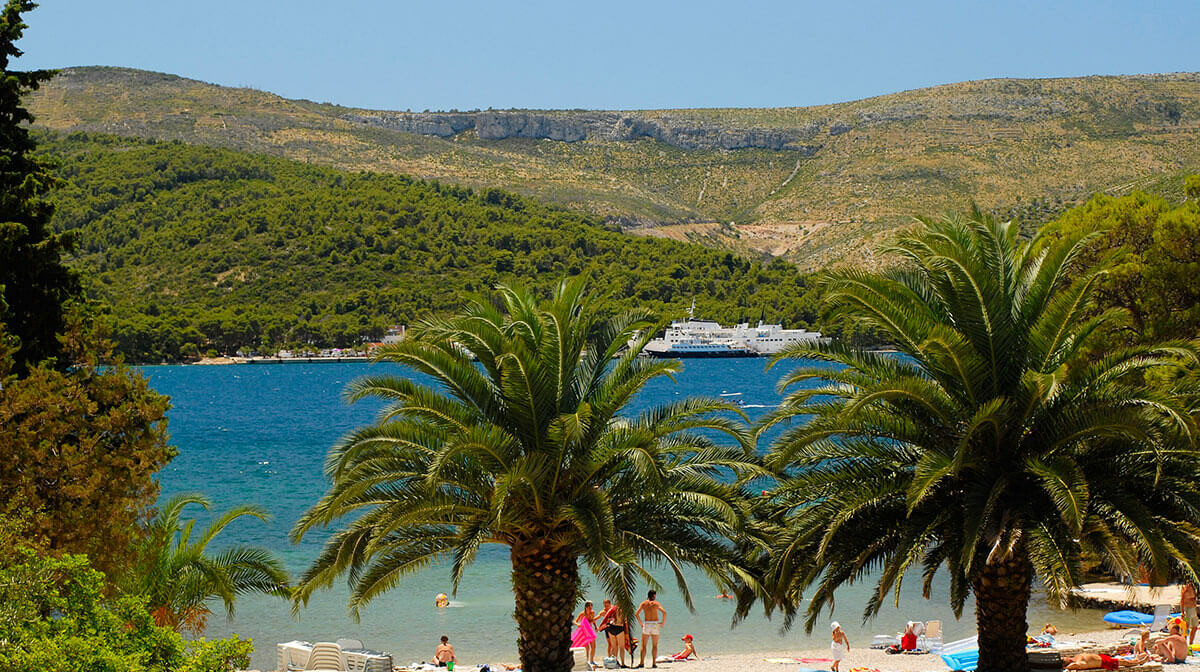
pixel 612 624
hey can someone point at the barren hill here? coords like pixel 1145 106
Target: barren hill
pixel 816 185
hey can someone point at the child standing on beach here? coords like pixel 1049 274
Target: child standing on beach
pixel 840 646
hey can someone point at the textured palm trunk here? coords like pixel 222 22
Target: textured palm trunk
pixel 545 581
pixel 1001 598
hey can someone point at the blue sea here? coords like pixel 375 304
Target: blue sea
pixel 259 434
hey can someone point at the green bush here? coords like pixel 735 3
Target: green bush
pixel 1191 186
pixel 54 617
pixel 219 655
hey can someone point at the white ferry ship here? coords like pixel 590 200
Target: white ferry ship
pixel 703 338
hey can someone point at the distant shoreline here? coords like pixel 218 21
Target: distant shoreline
pixel 299 359
pixel 226 361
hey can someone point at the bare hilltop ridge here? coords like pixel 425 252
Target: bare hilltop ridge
pixel 816 185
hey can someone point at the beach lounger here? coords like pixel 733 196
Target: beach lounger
pixel 326 656
pixel 962 660
pixel 960 645
pixel 931 638
pixel 1161 613
pixel 292 655
pixel 351 644
pixel 1044 659
pixel 884 641
pixel 581 662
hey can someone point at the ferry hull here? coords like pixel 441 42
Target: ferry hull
pixel 719 354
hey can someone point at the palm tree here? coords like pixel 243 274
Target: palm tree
pixel 530 448
pixel 179 575
pixel 997 447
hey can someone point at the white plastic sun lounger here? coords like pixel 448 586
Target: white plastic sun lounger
pixel 960 645
pixel 326 656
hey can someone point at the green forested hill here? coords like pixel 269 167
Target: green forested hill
pixel 814 185
pixel 197 248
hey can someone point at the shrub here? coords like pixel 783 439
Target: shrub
pixel 54 618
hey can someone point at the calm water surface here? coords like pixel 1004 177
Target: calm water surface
pixel 259 434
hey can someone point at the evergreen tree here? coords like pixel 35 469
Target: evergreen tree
pixel 34 283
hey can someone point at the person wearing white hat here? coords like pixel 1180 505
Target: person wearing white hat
pixel 908 641
pixel 840 646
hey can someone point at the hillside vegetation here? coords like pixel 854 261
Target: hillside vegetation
pixel 815 185
pixel 197 248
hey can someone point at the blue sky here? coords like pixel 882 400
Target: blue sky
pixel 612 55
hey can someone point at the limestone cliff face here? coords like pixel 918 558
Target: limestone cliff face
pixel 441 125
pixel 577 126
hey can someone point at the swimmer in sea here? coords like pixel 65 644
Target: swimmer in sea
pixel 441 601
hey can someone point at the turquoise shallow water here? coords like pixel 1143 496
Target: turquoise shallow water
pixel 259 434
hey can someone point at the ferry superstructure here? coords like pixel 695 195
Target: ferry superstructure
pixel 704 338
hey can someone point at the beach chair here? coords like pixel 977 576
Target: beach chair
pixel 326 656
pixel 1161 613
pixel 968 661
pixel 931 639
pixel 960 645
pixel 581 661
pixel 884 641
pixel 355 644
pixel 292 656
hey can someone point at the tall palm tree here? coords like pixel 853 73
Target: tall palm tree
pixel 179 575
pixel 531 448
pixel 996 447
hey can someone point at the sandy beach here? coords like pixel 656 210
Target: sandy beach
pixel 861 656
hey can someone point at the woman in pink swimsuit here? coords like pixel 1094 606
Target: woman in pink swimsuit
pixel 585 634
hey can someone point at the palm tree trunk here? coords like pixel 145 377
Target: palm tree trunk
pixel 1001 598
pixel 545 581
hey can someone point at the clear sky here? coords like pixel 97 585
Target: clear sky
pixel 616 54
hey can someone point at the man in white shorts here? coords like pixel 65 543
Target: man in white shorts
pixel 655 618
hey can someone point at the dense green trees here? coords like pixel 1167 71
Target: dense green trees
pixel 997 450
pixel 531 449
pixel 1155 248
pixel 223 250
pixel 34 283
pixel 80 448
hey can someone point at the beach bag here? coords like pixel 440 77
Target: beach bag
pixel 893 649
pixel 610 663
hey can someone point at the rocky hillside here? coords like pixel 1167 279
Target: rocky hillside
pixel 816 185
pixel 680 132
